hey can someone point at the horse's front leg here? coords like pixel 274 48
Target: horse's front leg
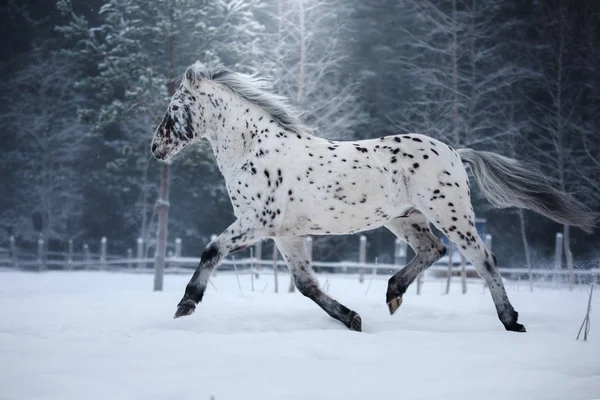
pixel 237 236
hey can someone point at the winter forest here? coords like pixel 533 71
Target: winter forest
pixel 85 83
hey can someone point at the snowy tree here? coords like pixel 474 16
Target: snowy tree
pixel 452 56
pixel 561 136
pixel 589 118
pixel 304 50
pixel 142 46
pixel 513 119
pixel 377 35
pixel 40 115
pixel 516 124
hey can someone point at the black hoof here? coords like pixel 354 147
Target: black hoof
pixel 184 308
pixel 393 296
pixel 355 322
pixel 515 327
pixel 394 304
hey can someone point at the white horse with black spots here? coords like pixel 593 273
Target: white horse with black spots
pixel 285 183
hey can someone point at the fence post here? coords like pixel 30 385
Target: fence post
pixel 86 256
pixel 13 252
pixel 129 257
pixel 558 255
pixel 178 247
pixel 463 273
pixel 103 252
pixel 419 282
pixel 362 257
pixel 177 252
pixel 292 286
pixel 140 254
pixel 488 241
pixel 399 252
pixel 257 256
pixel 41 256
pixel 308 242
pixel 275 267
pixel 70 254
pixel 450 256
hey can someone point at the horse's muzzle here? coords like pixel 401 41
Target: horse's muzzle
pixel 158 153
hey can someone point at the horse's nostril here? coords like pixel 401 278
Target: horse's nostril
pixel 154 146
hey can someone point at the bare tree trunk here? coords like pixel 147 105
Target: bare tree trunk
pixel 473 61
pixel 279 35
pixel 162 205
pixel 526 247
pixel 146 222
pixel 302 65
pixel 455 73
pixel 560 144
pixel 568 254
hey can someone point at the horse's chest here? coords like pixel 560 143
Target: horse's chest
pixel 256 197
pixel 242 193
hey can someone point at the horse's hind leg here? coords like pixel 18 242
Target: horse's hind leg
pixel 295 255
pixel 454 216
pixel 414 230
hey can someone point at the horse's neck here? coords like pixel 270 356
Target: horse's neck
pixel 235 132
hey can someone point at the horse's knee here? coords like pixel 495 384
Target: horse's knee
pixel 307 288
pixel 209 253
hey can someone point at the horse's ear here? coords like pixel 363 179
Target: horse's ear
pixel 190 75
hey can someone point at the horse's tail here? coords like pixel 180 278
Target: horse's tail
pixel 505 182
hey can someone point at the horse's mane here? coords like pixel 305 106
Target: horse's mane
pixel 256 90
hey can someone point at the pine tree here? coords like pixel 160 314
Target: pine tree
pixel 50 143
pixel 139 50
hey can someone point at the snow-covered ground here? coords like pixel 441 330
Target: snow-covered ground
pixel 95 335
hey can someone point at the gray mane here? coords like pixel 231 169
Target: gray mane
pixel 257 91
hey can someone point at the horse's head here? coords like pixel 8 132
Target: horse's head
pixel 183 123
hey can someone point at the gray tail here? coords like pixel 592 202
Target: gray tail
pixel 505 182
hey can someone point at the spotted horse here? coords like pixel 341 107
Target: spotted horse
pixel 285 182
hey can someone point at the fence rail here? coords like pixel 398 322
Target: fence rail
pixel 450 265
pixel 187 264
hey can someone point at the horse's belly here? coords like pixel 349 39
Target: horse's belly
pixel 321 215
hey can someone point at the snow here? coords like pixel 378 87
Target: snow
pixel 107 335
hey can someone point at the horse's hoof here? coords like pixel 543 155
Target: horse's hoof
pixel 394 304
pixel 516 327
pixel 184 310
pixel 513 325
pixel 356 323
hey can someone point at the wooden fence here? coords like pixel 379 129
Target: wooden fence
pixel 451 265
